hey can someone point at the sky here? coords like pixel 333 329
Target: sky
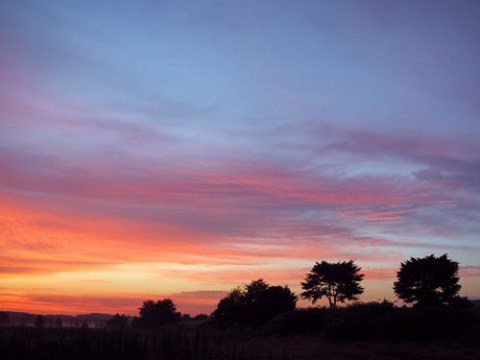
pixel 180 149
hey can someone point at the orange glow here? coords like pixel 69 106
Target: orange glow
pixel 61 259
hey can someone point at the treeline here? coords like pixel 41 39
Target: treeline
pixel 430 283
pixel 247 321
pixel 380 321
pixel 426 282
pixel 371 324
pixel 12 318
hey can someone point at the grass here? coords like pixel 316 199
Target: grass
pixel 181 343
pixel 363 331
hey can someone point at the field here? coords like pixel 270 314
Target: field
pixel 180 342
pixel 360 331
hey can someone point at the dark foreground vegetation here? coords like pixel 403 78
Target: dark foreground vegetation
pixel 361 331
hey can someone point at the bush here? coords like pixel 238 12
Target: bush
pixel 254 305
pixel 360 321
pixel 430 324
pixel 381 321
pixel 299 321
pixel 155 314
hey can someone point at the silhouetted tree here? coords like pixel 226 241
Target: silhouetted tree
pixel 118 321
pixel 4 318
pixel 337 281
pixel 254 305
pixel 230 310
pixel 154 314
pixel 428 281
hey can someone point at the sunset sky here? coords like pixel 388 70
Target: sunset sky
pixel 153 149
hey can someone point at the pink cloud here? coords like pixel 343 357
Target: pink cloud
pixel 193 303
pixel 469 271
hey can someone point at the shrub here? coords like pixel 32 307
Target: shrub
pixel 299 321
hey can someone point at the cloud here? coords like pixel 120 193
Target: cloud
pixel 229 207
pixel 469 271
pixel 76 303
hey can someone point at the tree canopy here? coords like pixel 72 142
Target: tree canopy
pixel 337 281
pixel 154 314
pixel 255 304
pixel 428 281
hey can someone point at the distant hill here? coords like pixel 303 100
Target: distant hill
pixel 93 317
pixel 91 320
